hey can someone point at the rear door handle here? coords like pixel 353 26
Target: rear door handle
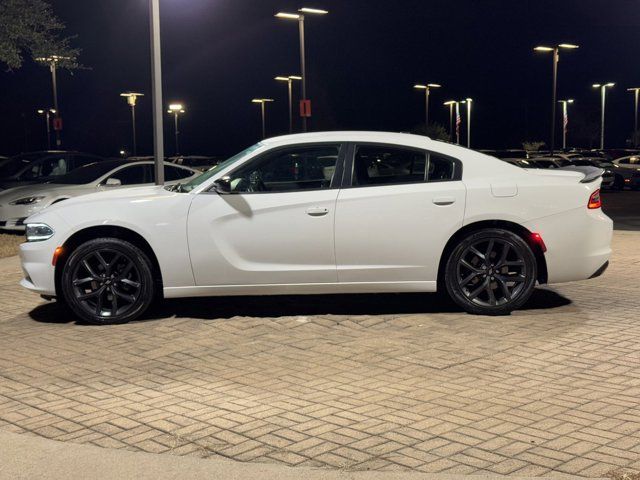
pixel 443 201
pixel 317 211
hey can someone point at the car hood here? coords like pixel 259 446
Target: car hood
pixel 147 193
pixel 44 189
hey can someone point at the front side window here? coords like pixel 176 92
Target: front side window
pixel 386 165
pixel 49 167
pixel 171 174
pixel 288 170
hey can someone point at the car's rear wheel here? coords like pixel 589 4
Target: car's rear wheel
pixel 491 272
pixel 107 281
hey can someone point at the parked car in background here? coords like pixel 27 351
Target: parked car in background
pixel 546 162
pixel 631 161
pixel 608 177
pixel 40 167
pixel 197 162
pixel 303 214
pixel 19 203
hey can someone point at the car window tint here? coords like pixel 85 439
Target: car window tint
pixel 49 167
pixel 441 169
pixel 382 165
pixel 172 173
pixel 286 170
pixel 133 175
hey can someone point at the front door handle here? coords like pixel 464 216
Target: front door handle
pixel 317 211
pixel 443 201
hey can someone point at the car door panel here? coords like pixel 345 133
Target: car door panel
pixel 257 239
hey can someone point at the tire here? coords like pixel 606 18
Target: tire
pixel 107 281
pixel 474 283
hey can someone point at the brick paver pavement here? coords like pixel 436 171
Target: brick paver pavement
pixel 358 382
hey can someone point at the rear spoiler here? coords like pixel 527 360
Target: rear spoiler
pixel 591 174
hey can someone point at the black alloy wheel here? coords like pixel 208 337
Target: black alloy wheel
pixel 491 272
pixel 108 281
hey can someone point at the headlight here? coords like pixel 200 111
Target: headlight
pixel 27 200
pixel 38 232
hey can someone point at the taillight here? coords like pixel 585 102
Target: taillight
pixel 595 201
pixel 537 238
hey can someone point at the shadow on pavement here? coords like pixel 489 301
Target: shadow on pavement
pixel 284 306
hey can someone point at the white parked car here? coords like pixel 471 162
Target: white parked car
pixel 19 203
pixel 340 212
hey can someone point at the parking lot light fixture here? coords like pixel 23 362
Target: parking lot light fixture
pixel 176 109
pixel 300 16
pixel 468 102
pixel 450 104
pixel 132 99
pixel 46 112
pixel 52 62
pixel 556 57
pixel 427 90
pixel 603 99
pixel 565 120
pixel 263 102
pixel 289 79
pixel 636 92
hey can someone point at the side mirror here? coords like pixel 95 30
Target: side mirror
pixel 222 186
pixel 113 182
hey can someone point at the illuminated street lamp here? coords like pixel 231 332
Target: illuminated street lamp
pixel 468 102
pixel 603 97
pixel 289 81
pixel 300 16
pixel 635 91
pixel 47 116
pixel 263 102
pixel 450 104
pixel 427 89
pixel 52 61
pixel 556 57
pixel 132 98
pixel 176 109
pixel 565 120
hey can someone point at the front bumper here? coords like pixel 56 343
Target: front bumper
pixel 39 272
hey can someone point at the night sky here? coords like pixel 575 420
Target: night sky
pixel 363 59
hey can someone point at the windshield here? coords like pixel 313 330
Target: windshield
pixel 199 180
pixel 87 174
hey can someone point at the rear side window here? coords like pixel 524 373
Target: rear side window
pixel 134 175
pixel 385 165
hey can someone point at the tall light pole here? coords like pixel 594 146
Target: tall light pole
pixel 156 90
pixel 132 98
pixel 603 97
pixel 289 79
pixel 263 102
pixel 52 61
pixel 47 116
pixel 468 102
pixel 176 109
pixel 565 120
pixel 300 16
pixel 556 58
pixel 427 90
pixel 635 91
pixel 450 104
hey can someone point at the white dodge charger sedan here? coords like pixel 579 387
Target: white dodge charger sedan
pixel 318 213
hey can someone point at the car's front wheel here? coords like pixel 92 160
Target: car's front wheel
pixel 491 272
pixel 107 281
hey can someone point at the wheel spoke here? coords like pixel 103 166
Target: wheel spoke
pixel 478 290
pixel 505 289
pixel 492 296
pixel 127 269
pixel 466 280
pixel 490 246
pixel 477 253
pixel 102 261
pixel 130 283
pixel 125 296
pixel 510 278
pixel 114 304
pixel 113 263
pixel 466 264
pixel 82 281
pixel 99 302
pixel 88 268
pixel 90 295
pixel 505 253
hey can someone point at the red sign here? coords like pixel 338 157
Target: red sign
pixel 305 108
pixel 57 124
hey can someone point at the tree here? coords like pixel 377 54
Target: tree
pixel 30 28
pixel 435 131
